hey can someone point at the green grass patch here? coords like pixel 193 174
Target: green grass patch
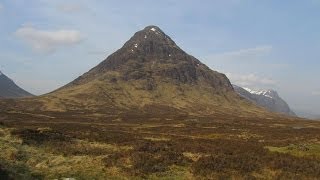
pixel 299 150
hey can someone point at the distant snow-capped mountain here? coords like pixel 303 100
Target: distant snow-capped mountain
pixel 268 99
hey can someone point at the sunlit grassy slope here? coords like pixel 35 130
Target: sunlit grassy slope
pixel 99 96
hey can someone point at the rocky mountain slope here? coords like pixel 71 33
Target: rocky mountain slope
pixel 8 89
pixel 151 74
pixel 266 98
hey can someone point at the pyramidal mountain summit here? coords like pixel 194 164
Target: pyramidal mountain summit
pixel 151 56
pixel 151 74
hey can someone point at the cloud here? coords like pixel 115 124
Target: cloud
pixel 70 8
pixel 45 41
pixel 244 54
pixel 250 80
pixel 316 93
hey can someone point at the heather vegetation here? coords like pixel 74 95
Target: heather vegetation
pixel 183 147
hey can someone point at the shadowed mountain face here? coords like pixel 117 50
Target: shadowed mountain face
pixel 8 89
pixel 268 99
pixel 150 73
pixel 150 55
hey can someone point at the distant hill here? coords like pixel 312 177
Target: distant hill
pixel 268 99
pixel 8 89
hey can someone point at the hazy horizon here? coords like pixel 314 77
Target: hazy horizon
pixel 265 45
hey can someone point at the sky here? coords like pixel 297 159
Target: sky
pixel 265 44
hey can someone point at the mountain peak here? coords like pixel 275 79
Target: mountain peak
pixel 269 99
pixel 153 56
pixel 152 28
pixel 155 30
pixel 149 39
pixel 150 69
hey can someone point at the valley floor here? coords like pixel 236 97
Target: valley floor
pixel 61 145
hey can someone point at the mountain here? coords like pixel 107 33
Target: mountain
pixel 8 89
pixel 268 99
pixel 150 74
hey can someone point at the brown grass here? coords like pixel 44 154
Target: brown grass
pixel 155 146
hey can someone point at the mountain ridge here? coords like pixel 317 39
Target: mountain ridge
pixel 268 99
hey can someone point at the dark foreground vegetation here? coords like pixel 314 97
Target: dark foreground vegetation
pixel 58 145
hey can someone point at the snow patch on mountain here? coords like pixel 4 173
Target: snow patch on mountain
pixel 267 93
